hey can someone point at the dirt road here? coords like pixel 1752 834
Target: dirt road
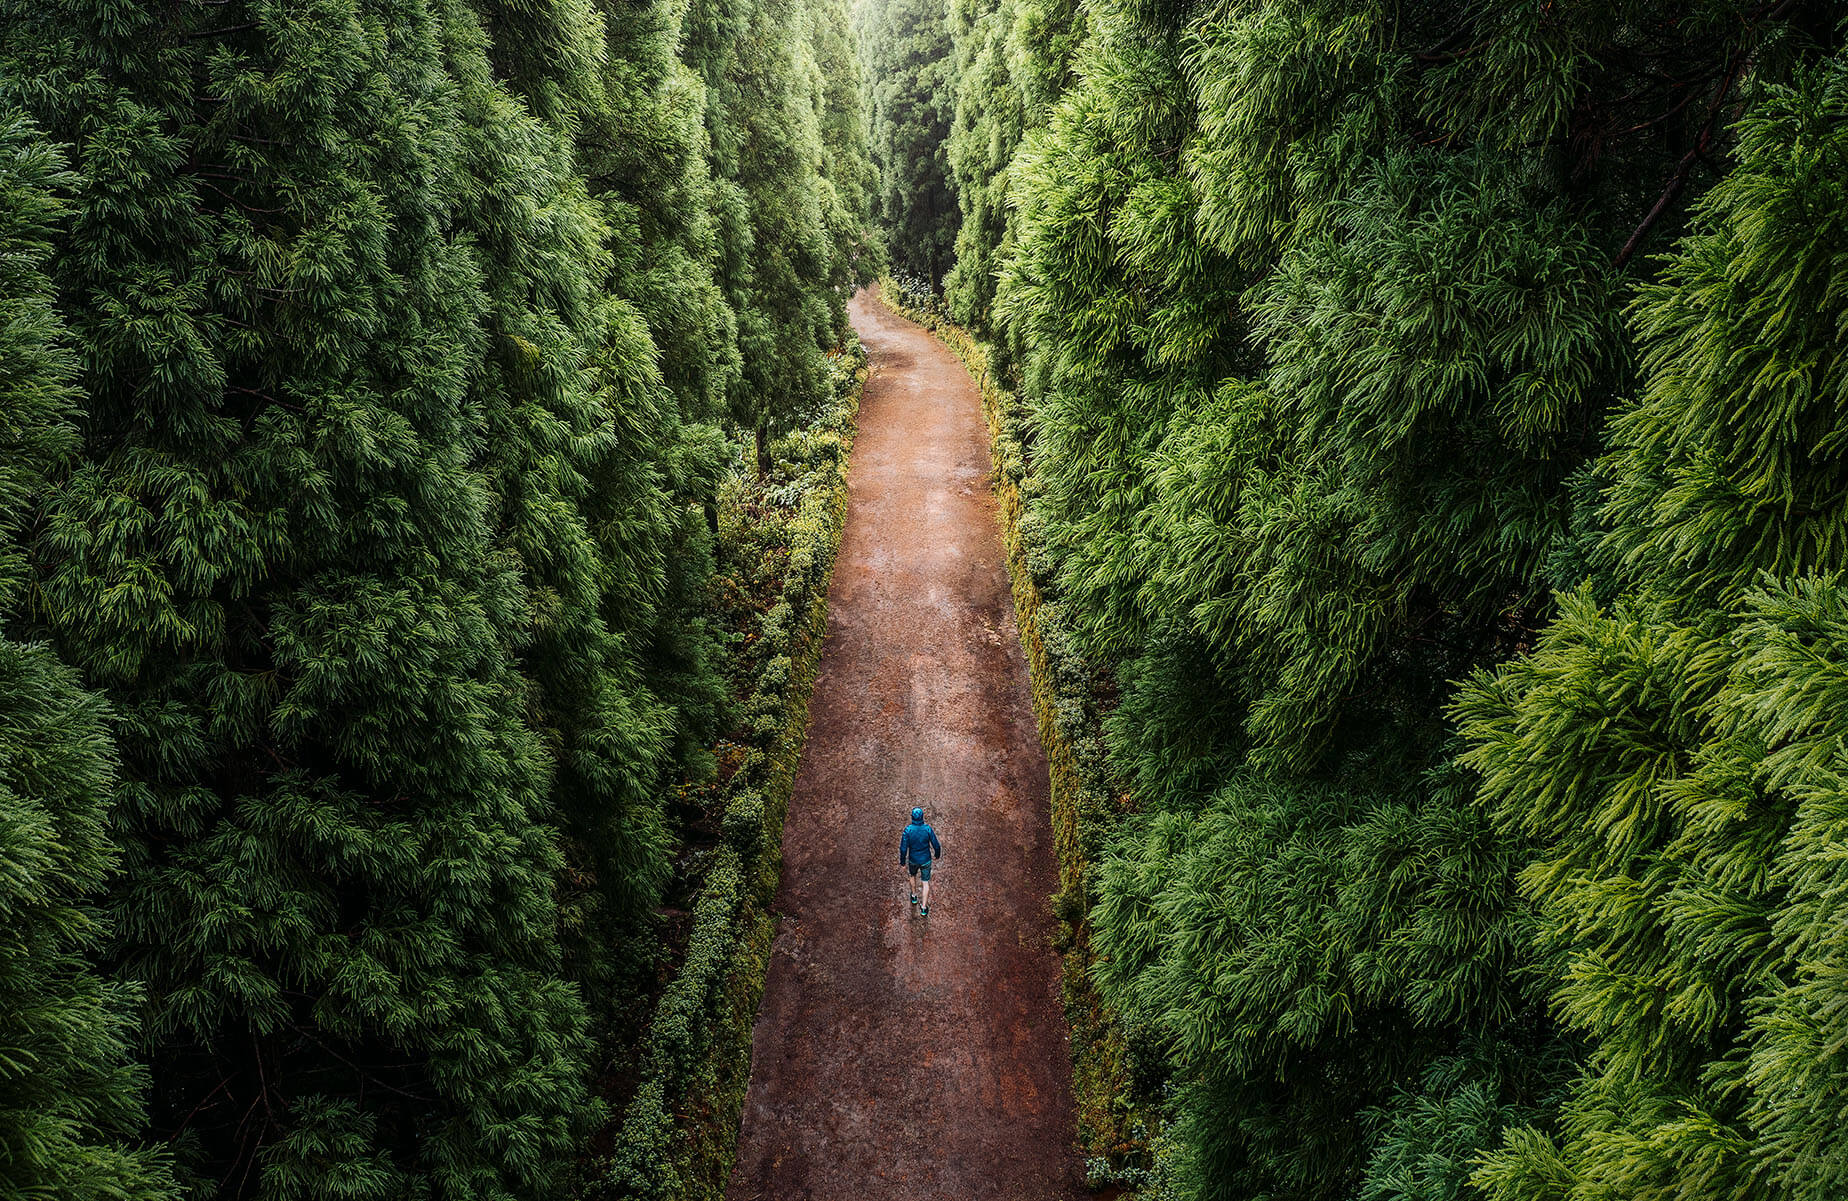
pixel 926 1055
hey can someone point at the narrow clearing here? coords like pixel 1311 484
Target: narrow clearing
pixel 930 1054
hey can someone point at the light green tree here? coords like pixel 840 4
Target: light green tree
pixel 1673 750
pixel 1316 309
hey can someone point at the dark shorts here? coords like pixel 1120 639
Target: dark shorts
pixel 920 870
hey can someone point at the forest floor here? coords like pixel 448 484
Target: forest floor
pixel 923 1055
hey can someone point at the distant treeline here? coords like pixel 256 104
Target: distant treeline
pixel 368 371
pixel 1436 425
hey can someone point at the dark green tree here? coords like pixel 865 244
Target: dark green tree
pixel 71 1096
pixel 578 425
pixel 910 102
pixel 785 201
pixel 401 337
pixel 277 561
pixel 646 153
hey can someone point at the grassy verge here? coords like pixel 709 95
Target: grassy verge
pixel 677 1139
pixel 1070 697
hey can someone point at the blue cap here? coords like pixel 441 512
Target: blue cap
pixel 917 815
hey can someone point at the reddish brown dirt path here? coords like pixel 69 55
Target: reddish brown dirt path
pixel 923 1055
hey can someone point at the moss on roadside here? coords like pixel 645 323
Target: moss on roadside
pixel 678 1138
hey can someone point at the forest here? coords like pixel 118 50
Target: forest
pixel 1430 431
pixel 423 433
pixel 413 423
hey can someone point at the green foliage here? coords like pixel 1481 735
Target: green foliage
pixel 401 338
pixel 1730 466
pixel 36 364
pixel 905 45
pixel 679 1038
pixel 1674 755
pixel 778 538
pixel 70 1095
pixel 339 885
pixel 1240 941
pixel 645 152
pixel 847 167
pixel 1427 1140
pixel 790 194
pixel 1010 63
pixel 71 1099
pixel 576 422
pixel 1316 310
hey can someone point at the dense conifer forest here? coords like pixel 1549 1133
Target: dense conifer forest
pixel 422 434
pixel 1433 423
pixel 372 373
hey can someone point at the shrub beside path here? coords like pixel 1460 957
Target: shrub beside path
pixel 926 1055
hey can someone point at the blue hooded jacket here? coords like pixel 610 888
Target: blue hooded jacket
pixel 918 844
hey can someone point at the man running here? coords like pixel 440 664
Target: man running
pixel 917 848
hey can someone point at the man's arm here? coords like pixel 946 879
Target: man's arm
pixel 935 846
pixel 901 848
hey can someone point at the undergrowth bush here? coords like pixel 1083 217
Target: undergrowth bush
pixel 778 535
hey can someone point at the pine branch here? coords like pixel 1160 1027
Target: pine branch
pixel 220 32
pixel 1441 53
pixel 194 1111
pixel 1685 167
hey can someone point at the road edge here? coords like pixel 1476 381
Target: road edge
pixel 678 1138
pixel 1115 1124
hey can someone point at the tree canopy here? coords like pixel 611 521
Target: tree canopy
pixel 369 369
pixel 1429 418
pixel 909 105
